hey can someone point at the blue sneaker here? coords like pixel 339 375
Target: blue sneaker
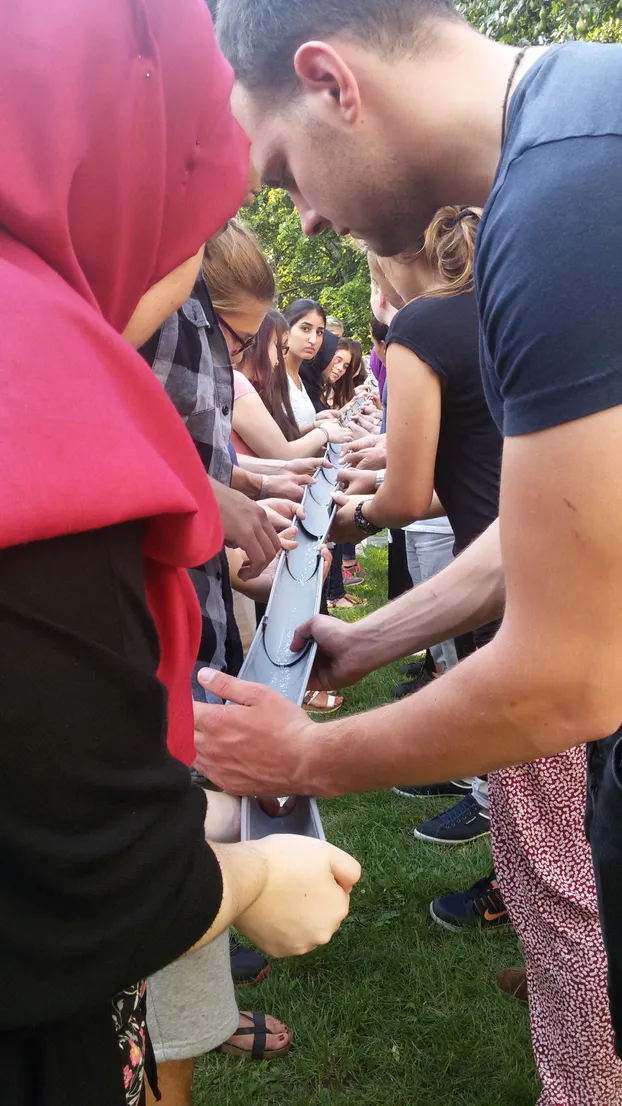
pixel 482 906
pixel 247 966
pixel 463 823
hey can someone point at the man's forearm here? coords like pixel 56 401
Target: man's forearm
pixel 495 709
pixel 467 594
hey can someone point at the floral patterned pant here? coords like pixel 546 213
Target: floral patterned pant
pixel 129 1017
pixel 545 873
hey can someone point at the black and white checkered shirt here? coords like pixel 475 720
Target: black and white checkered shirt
pixel 190 358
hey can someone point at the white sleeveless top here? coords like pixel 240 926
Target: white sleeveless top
pixel 304 411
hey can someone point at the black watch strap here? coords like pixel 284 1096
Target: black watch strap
pixel 362 523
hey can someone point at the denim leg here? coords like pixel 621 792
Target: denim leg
pixel 427 555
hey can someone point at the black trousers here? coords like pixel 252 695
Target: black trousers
pixel 603 825
pixel 399 576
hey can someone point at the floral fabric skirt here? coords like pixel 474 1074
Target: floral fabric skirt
pixel 129 1017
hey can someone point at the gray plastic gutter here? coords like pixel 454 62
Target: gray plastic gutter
pixel 295 597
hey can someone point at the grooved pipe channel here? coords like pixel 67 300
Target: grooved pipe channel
pixel 295 597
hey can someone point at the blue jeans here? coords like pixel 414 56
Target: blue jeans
pixel 428 554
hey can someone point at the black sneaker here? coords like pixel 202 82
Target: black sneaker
pixel 409 687
pixel 453 787
pixel 247 966
pixel 464 822
pixel 482 905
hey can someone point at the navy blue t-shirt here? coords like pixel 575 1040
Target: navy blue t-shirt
pixel 549 260
pixel 548 275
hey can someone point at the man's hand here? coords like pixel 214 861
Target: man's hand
pixel 368 442
pixel 344 528
pixel 366 423
pixel 307 466
pixel 357 481
pixel 337 662
pixel 246 527
pixel 358 431
pixel 257 747
pixel 371 457
pixel 287 485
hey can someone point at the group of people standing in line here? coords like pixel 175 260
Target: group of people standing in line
pixel 161 421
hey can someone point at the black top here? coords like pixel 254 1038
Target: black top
pixel 105 875
pixel 311 371
pixel 443 331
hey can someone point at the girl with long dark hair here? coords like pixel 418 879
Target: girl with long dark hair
pixel 263 421
pixel 338 379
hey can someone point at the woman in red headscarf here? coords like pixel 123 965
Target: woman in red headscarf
pixel 119 157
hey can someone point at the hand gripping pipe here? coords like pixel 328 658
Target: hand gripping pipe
pixel 295 597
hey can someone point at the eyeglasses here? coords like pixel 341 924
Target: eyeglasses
pixel 243 344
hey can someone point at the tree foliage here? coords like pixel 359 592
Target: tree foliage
pixel 331 269
pixel 543 21
pixel 327 268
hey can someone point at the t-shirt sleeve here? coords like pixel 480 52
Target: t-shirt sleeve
pixel 549 274
pixel 241 386
pixel 105 875
pixel 415 329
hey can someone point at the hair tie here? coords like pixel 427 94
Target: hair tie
pixel 462 214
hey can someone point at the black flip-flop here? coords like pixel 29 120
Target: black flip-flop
pixel 259 1031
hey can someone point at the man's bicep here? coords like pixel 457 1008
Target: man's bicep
pixel 561 505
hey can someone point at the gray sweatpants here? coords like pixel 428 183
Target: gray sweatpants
pixel 191 1005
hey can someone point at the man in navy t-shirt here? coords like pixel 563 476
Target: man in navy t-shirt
pixel 420 111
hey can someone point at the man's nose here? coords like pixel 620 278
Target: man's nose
pixel 312 223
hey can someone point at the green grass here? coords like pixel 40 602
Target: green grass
pixel 395 1011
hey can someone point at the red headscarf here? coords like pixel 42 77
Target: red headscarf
pixel 118 157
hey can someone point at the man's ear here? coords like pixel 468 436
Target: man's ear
pixel 323 71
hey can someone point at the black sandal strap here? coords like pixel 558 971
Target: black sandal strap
pixel 259 1030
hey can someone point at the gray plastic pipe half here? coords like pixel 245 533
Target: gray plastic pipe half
pixel 295 597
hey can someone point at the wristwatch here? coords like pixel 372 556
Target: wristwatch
pixel 362 523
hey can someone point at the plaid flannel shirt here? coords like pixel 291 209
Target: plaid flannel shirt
pixel 190 358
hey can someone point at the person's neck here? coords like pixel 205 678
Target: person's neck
pixel 292 364
pixel 452 99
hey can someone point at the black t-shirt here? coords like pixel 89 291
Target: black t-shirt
pixel 105 875
pixel 311 371
pixel 443 331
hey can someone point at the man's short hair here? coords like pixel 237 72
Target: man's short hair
pixel 332 320
pixel 260 37
pixel 379 330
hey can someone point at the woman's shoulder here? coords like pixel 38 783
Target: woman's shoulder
pixel 433 308
pixel 241 386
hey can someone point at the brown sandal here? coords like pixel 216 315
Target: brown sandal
pixel 346 603
pixel 333 702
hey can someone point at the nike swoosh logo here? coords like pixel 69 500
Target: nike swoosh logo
pixel 493 917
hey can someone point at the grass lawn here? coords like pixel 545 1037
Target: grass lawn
pixel 394 1011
